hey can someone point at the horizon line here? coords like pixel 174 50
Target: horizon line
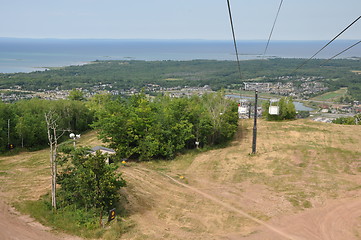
pixel 170 39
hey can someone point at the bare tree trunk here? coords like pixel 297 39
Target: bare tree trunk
pixel 51 122
pixel 54 171
pixel 50 126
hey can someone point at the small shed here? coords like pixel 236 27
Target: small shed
pixel 103 150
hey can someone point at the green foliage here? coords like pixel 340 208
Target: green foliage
pixel 73 220
pixel 70 219
pixel 27 121
pixel 287 110
pixel 355 120
pixel 217 74
pixel 303 114
pixel 5 115
pixel 76 95
pixel 144 128
pixel 88 181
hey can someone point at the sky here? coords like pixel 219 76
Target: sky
pixel 179 19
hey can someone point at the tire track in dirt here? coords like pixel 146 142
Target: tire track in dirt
pixel 232 208
pixel 338 220
pixel 154 175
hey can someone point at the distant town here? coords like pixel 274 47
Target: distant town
pixel 301 89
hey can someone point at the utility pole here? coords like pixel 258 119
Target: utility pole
pixel 254 142
pixel 8 132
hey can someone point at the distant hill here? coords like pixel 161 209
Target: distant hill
pixel 122 75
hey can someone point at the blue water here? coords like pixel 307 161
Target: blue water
pixel 26 55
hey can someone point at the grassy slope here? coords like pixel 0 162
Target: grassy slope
pixel 331 96
pixel 26 176
pixel 299 165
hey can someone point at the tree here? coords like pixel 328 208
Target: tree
pixel 355 120
pixel 88 181
pixel 29 122
pixel 223 115
pixel 76 95
pixel 143 128
pixel 51 119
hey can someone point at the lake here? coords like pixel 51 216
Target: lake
pixel 26 55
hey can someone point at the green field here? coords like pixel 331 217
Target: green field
pixel 331 96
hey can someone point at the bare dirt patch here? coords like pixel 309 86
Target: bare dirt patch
pixel 14 226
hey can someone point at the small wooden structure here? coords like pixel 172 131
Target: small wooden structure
pixel 103 150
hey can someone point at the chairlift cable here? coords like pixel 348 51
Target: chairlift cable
pixel 302 64
pixel 274 23
pixel 340 53
pixel 234 38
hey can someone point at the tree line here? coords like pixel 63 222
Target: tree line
pixel 138 126
pixel 143 128
pixel 355 120
pixel 22 124
pixel 120 75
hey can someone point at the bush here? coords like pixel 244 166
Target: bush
pixel 88 182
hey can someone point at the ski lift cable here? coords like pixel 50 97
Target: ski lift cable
pixel 340 53
pixel 302 64
pixel 234 38
pixel 274 23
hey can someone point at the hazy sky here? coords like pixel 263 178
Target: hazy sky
pixel 178 19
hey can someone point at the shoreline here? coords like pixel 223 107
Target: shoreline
pixel 29 55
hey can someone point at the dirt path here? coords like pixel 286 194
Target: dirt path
pixel 172 192
pixel 338 219
pixel 232 208
pixel 165 210
pixel 14 226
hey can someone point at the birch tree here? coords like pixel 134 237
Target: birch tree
pixel 51 119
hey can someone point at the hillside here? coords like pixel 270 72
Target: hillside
pixel 304 183
pixel 129 76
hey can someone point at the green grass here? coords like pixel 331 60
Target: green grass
pixel 181 162
pixel 74 221
pixel 331 96
pixel 173 79
pixel 246 172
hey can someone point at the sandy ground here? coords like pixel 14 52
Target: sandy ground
pixel 337 219
pixel 14 226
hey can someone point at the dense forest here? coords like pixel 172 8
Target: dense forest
pixel 217 74
pixel 23 125
pixel 143 128
pixel 138 127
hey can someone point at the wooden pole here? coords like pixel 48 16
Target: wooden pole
pixel 254 142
